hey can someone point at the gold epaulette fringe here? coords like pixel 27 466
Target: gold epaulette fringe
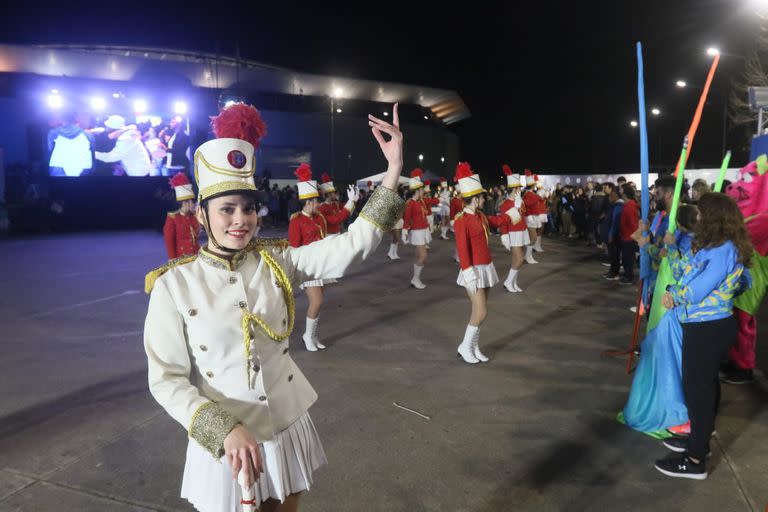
pixel 267 243
pixel 151 277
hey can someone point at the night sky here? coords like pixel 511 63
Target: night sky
pixel 551 86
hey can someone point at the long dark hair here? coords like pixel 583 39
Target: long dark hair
pixel 721 220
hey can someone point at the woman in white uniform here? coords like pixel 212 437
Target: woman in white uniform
pixel 218 323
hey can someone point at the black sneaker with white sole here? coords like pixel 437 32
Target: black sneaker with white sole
pixel 681 466
pixel 738 376
pixel 678 444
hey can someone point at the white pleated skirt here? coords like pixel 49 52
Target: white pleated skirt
pixel 543 218
pixel 516 239
pixel 398 224
pixel 486 276
pixel 419 237
pixel 317 283
pixel 532 221
pixel 290 459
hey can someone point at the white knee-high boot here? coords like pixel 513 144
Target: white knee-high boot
pixel 393 252
pixel 537 245
pixel 476 346
pixel 466 348
pixel 509 284
pixel 416 281
pixel 529 255
pixel 310 335
pixel 444 232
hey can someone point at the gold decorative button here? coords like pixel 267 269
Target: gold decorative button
pixel 284 321
pixel 192 312
pixel 232 279
pixel 290 377
pixel 203 348
pixel 209 374
pixel 262 398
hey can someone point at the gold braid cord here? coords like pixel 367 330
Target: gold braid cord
pixel 251 318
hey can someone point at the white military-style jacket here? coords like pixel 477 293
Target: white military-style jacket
pixel 216 332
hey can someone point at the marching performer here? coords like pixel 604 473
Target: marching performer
pixel 514 235
pixel 456 206
pixel 308 226
pixel 182 230
pixel 416 226
pixel 218 323
pixel 334 214
pixel 444 195
pixel 532 219
pixel 543 209
pixel 477 273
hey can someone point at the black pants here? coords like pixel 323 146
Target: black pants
pixel 705 345
pixel 614 253
pixel 628 251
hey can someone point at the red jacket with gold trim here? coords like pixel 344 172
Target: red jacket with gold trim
pixel 531 200
pixel 335 215
pixel 457 205
pixel 415 216
pixel 303 230
pixel 472 231
pixel 181 233
pixel 509 226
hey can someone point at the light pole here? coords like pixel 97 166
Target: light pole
pixel 337 92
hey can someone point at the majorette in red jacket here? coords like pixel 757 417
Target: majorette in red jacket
pixel 335 215
pixel 181 233
pixel 303 230
pixel 415 216
pixel 508 227
pixel 472 231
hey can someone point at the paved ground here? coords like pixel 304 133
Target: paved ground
pixel 532 430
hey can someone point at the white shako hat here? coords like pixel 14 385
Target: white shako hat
pixel 227 164
pixel 469 183
pixel 326 184
pixel 415 182
pixel 308 188
pixel 182 187
pixel 513 180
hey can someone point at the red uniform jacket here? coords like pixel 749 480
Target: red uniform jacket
pixel 415 216
pixel 457 205
pixel 472 237
pixel 335 215
pixel 181 233
pixel 543 206
pixel 508 227
pixel 629 220
pixel 303 230
pixel 531 200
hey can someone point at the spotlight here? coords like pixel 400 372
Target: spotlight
pixel 98 103
pixel 180 107
pixel 55 101
pixel 140 106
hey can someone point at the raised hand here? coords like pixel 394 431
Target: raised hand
pixel 392 148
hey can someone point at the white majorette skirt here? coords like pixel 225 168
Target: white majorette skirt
pixel 317 283
pixel 419 237
pixel 486 276
pixel 398 224
pixel 516 239
pixel 290 459
pixel 532 221
pixel 543 218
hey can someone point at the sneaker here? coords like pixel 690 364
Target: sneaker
pixel 606 264
pixel 624 280
pixel 682 467
pixel 738 376
pixel 676 444
pixel 611 277
pixel 681 430
pixel 633 309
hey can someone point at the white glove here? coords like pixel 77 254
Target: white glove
pixel 505 242
pixel 470 279
pixel 405 236
pixel 452 221
pixel 353 194
pixel 514 214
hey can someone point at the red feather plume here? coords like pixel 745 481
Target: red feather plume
pixel 304 172
pixel 443 180
pixel 179 179
pixel 527 172
pixel 325 178
pixel 463 170
pixel 507 170
pixel 427 183
pixel 416 173
pixel 240 121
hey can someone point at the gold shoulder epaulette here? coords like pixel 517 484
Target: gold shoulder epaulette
pixel 151 277
pixel 458 215
pixel 173 214
pixel 268 243
pixel 294 215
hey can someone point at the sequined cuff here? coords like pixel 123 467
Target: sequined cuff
pixel 210 425
pixel 383 209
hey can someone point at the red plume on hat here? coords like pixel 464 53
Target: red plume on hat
pixel 443 180
pixel 304 172
pixel 527 172
pixel 325 178
pixel 507 170
pixel 463 170
pixel 240 121
pixel 427 183
pixel 179 179
pixel 416 173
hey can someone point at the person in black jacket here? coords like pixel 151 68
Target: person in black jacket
pixel 177 142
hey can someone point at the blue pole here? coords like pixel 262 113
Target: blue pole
pixel 644 194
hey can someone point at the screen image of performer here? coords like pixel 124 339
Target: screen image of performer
pixel 128 150
pixel 218 324
pixel 177 143
pixel 70 148
pixel 182 230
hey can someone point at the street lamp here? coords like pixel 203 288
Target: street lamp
pixel 681 83
pixel 421 159
pixel 655 111
pixel 712 51
pixel 633 123
pixel 337 92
